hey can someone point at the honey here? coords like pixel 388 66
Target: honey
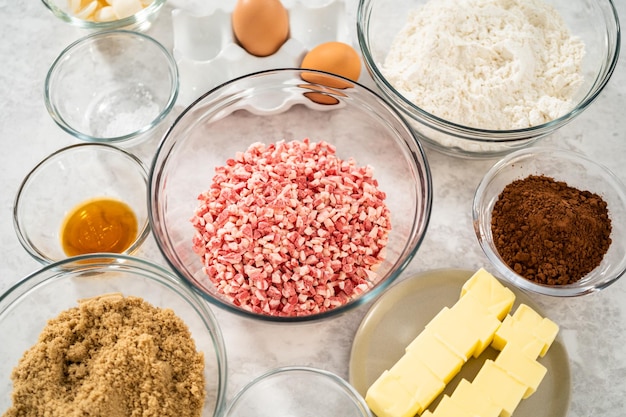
pixel 99 225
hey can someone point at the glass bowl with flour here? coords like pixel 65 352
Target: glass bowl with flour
pixel 482 78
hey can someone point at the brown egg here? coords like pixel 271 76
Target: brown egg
pixel 334 57
pixel 260 26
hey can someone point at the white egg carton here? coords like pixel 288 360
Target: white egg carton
pixel 208 55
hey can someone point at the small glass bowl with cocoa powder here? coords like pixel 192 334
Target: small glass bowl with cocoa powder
pixel 552 221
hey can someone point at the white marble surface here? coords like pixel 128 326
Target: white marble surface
pixel 594 327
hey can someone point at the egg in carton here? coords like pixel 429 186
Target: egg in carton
pixel 208 54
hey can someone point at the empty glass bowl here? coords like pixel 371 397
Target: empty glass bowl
pixel 140 20
pixel 74 177
pixel 28 305
pixel 111 87
pixel 578 172
pixel 595 22
pixel 270 107
pixel 298 391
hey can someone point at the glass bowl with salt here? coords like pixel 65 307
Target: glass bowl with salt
pixel 552 222
pixel 482 78
pixel 112 87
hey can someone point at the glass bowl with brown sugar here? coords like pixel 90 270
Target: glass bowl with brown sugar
pixel 111 334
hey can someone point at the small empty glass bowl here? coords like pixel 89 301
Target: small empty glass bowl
pixel 578 172
pixel 596 23
pixel 298 391
pixel 41 296
pixel 70 178
pixel 82 16
pixel 111 87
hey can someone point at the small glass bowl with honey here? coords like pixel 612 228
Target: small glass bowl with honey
pixel 83 199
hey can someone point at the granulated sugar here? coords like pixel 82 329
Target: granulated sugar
pixel 492 64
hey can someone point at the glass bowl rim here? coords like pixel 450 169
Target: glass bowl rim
pixel 155 219
pixel 98 261
pixel 142 233
pixel 94 37
pixel 288 369
pixel 570 290
pixel 141 16
pixel 480 135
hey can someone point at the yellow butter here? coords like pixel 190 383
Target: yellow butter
pixel 521 367
pixel 438 353
pixel 499 387
pixel 470 313
pixel 458 338
pixel 448 408
pixel 388 397
pixel 526 328
pixel 442 361
pixel 474 401
pixel 510 331
pixel 418 380
pixel 526 314
pixel 483 286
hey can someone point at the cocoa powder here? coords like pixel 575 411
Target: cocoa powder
pixel 549 232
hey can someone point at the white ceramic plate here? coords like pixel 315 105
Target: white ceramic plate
pixel 399 315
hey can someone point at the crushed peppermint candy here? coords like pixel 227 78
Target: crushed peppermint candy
pixel 289 229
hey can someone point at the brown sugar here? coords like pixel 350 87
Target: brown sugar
pixel 111 356
pixel 549 232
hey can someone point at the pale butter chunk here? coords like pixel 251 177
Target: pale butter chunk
pixel 465 331
pixel 439 358
pixel 125 8
pixel 529 330
pixel 438 353
pixel 498 387
pixel 467 400
pixel 106 10
pixel 480 316
pixel 493 393
pixel 514 375
pixel 105 14
pixel 449 408
pixel 404 390
pixel 490 64
pixel 522 367
pixel 496 298
pixel 389 397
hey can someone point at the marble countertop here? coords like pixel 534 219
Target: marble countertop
pixel 593 327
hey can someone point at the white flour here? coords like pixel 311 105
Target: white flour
pixel 493 64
